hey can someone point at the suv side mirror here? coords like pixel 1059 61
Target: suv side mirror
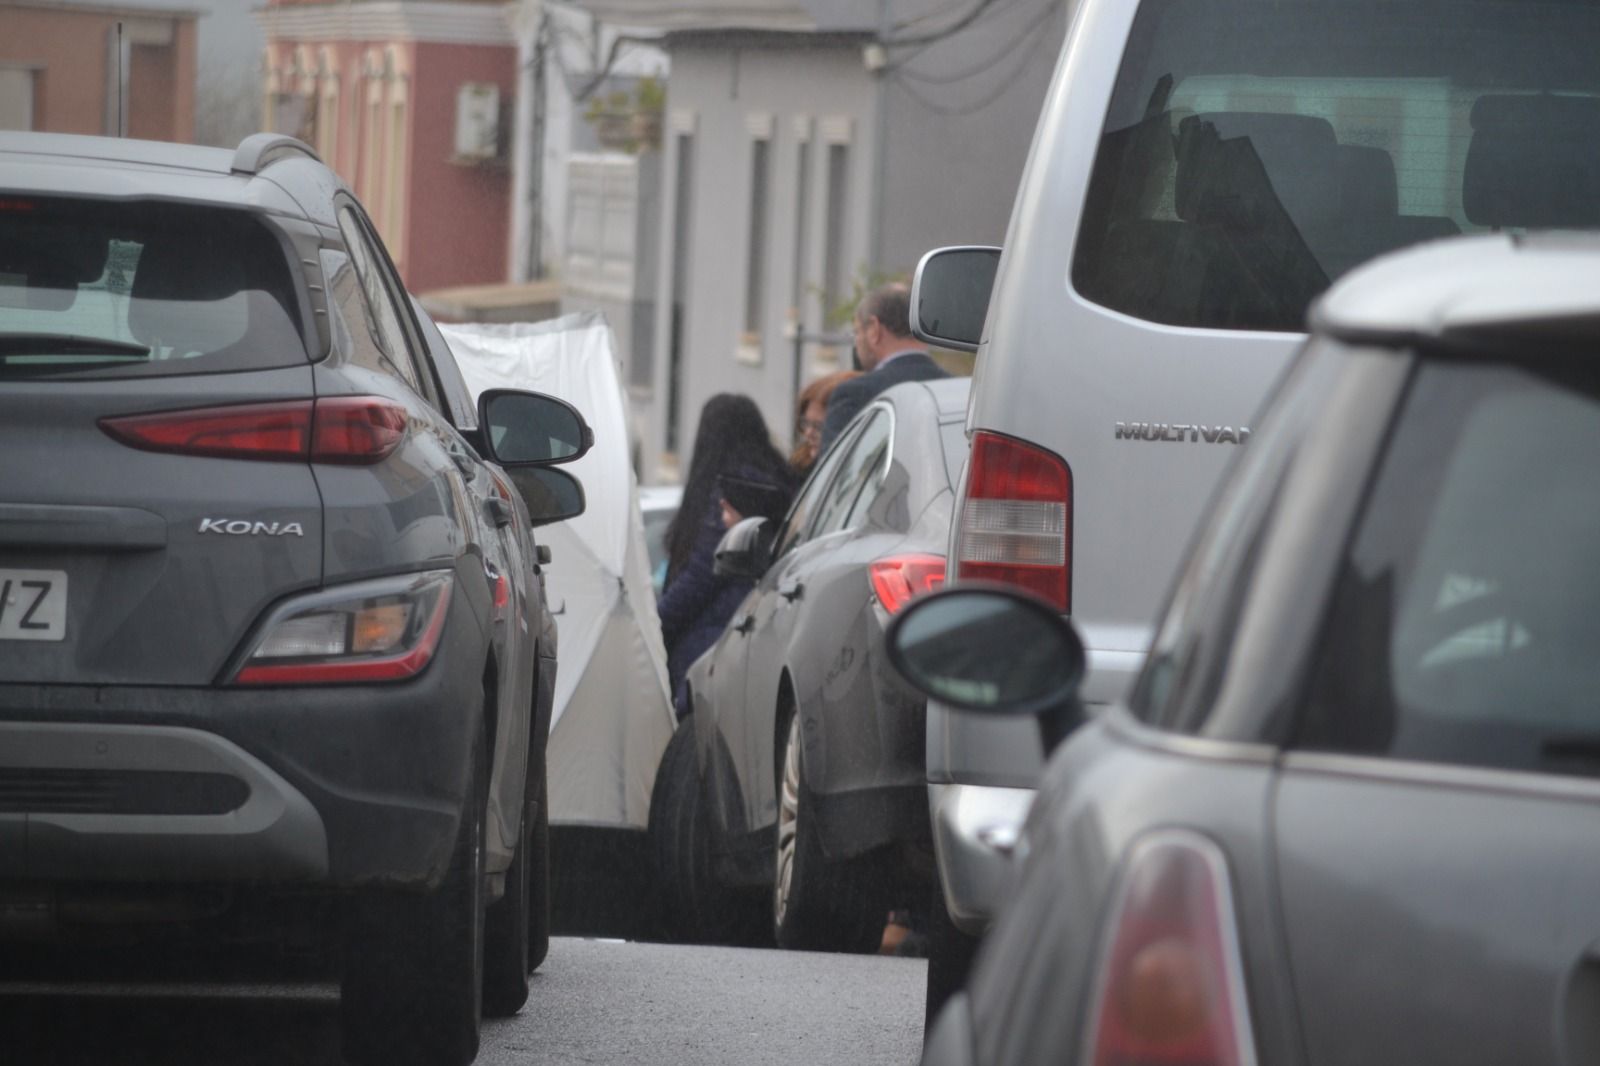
pixel 950 295
pixel 550 495
pixel 993 651
pixel 529 428
pixel 745 549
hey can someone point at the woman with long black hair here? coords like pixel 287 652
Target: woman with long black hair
pixel 732 443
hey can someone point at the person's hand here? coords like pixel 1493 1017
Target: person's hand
pixel 730 517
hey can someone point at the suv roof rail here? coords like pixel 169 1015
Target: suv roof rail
pixel 260 149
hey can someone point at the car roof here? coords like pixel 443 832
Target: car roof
pixel 267 172
pixel 948 395
pixel 1471 288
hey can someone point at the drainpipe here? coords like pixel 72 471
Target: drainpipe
pixel 527 183
pixel 880 144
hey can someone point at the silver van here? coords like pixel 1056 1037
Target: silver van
pixel 1202 170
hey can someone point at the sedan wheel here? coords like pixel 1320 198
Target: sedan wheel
pixel 818 905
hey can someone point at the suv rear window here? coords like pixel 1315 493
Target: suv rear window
pixel 1256 150
pixel 138 289
pixel 1466 623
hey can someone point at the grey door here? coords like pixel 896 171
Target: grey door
pixel 1438 826
pixel 141 552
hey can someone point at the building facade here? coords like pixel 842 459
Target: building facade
pixel 68 67
pixel 409 102
pixel 813 148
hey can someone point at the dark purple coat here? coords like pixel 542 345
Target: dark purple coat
pixel 696 604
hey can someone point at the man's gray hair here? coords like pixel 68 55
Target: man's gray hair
pixel 891 305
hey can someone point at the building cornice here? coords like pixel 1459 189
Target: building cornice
pixel 706 15
pixel 428 21
pixel 74 8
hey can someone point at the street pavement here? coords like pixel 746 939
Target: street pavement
pixel 592 1002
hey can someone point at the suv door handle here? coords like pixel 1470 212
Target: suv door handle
pixel 792 591
pixel 746 624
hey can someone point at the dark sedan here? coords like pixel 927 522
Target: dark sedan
pixel 792 802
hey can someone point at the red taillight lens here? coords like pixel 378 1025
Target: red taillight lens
pixel 384 630
pixel 248 431
pixel 1171 985
pixel 899 578
pixel 1016 519
pixel 341 429
pixel 356 429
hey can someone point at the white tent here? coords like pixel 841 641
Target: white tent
pixel 612 715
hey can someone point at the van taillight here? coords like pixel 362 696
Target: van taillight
pixel 1016 519
pixel 340 429
pixel 1170 987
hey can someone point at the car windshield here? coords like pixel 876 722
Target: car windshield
pixel 1255 151
pixel 105 289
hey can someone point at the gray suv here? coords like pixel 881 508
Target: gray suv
pixel 271 618
pixel 1347 814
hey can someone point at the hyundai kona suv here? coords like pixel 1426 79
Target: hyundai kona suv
pixel 271 619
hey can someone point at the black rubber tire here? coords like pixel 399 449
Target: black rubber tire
pixel 539 890
pixel 832 906
pixel 412 990
pixel 696 907
pixel 506 963
pixel 950 955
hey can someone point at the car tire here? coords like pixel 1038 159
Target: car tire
pixel 697 908
pixel 506 961
pixel 950 955
pixel 412 990
pixel 818 905
pixel 539 889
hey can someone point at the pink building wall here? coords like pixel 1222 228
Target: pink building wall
pixel 444 221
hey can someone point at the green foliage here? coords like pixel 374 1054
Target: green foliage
pixel 840 315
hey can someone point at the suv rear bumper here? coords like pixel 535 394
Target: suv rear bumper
pixel 348 786
pixel 975 828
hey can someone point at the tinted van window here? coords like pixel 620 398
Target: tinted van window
pixel 1254 151
pixel 1466 623
pixel 119 289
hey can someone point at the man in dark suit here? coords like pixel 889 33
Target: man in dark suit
pixel 888 353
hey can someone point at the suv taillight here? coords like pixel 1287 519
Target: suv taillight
pixel 1170 988
pixel 339 429
pixel 382 630
pixel 898 578
pixel 1016 519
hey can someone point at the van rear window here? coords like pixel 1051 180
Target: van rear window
pixel 103 289
pixel 1254 151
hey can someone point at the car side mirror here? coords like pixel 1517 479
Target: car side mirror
pixel 992 651
pixel 529 428
pixel 950 295
pixel 745 549
pixel 550 495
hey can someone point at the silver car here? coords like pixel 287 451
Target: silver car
pixel 1202 170
pixel 1347 814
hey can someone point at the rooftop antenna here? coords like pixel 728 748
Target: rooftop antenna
pixel 122 88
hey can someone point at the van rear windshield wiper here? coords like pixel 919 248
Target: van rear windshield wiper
pixel 66 344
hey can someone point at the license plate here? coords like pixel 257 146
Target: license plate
pixel 33 605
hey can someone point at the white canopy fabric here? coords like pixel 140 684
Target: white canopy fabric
pixel 613 715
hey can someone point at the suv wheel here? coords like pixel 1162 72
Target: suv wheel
pixel 413 974
pixel 818 905
pixel 698 907
pixel 506 961
pixel 539 878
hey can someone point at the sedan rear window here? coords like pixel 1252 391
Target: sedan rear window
pixel 1466 623
pixel 98 289
pixel 1254 150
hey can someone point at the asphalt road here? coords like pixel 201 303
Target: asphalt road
pixel 592 1002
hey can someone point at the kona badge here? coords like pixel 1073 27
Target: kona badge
pixel 239 527
pixel 1174 433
